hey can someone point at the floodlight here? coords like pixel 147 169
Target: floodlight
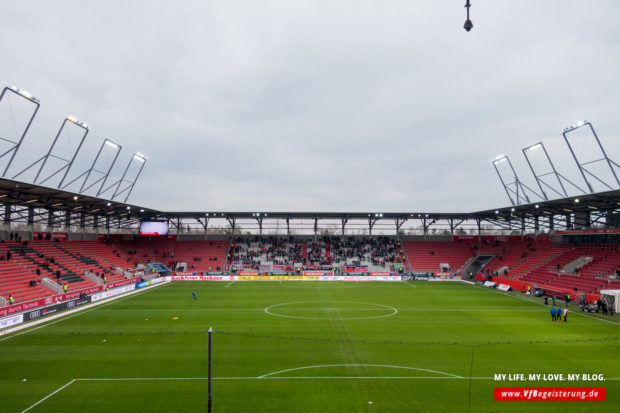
pixel 112 144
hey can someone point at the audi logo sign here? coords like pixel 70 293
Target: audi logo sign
pixel 34 314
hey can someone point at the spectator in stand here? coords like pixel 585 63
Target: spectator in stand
pixel 11 299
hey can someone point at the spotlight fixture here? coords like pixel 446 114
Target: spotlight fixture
pixel 468 24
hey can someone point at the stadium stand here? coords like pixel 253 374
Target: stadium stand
pixel 585 268
pixel 425 256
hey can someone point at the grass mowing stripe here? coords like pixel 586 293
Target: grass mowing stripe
pixel 48 396
pixel 535 302
pixel 84 311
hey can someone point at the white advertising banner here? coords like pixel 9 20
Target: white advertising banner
pixel 503 287
pixel 11 321
pixel 112 293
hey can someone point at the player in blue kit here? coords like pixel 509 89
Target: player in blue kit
pixel 194 295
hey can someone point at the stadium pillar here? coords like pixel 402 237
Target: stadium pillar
pixel 551 223
pixel 30 215
pixel 569 225
pixel 478 224
pixel 344 223
pixel 609 218
pixel 7 214
pixel 50 221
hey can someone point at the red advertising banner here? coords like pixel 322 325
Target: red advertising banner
pixel 357 269
pixel 590 231
pixel 288 268
pixel 549 393
pixel 317 273
pixel 29 305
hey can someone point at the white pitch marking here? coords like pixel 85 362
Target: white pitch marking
pixel 387 307
pixel 534 302
pixel 48 396
pixel 83 311
pixel 229 284
pixel 409 285
pixel 358 365
pixel 314 308
pixel 291 378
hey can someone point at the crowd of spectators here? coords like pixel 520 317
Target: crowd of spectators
pixel 251 252
pixel 322 251
pixel 378 251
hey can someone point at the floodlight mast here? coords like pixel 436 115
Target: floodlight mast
pixel 140 158
pixel 106 142
pixel 44 158
pixel 519 190
pixel 580 165
pixel 558 176
pixel 15 148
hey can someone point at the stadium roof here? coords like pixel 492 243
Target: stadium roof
pixel 36 204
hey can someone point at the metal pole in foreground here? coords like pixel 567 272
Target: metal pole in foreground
pixel 209 376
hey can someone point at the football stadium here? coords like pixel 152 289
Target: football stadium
pixel 209 262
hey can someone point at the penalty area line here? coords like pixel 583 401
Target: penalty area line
pixel 49 395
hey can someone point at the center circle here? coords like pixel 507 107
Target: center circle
pixel 331 310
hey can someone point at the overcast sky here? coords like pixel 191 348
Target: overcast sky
pixel 315 105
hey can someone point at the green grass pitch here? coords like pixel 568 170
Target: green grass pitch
pixel 305 347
